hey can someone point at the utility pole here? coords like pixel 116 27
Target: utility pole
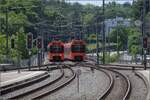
pixel 117 38
pixel 109 43
pixel 7 51
pixel 143 33
pixel 103 31
pixel 97 44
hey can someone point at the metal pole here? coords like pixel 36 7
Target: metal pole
pixel 29 60
pixel 39 59
pixel 143 33
pixel 109 42
pixel 7 51
pixel 145 61
pixel 117 41
pixel 103 31
pixel 78 83
pixel 18 65
pixel 97 45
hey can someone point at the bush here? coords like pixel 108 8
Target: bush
pixel 114 57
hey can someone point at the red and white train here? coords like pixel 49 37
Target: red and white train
pixel 56 51
pixel 75 50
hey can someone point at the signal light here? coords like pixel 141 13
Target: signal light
pixel 39 43
pixel 2 25
pixel 29 41
pixel 145 42
pixel 12 43
pixel 147 6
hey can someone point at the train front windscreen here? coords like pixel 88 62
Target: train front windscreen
pixel 56 49
pixel 78 48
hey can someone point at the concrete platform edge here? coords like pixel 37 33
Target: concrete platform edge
pixel 20 81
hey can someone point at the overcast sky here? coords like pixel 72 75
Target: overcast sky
pixel 97 2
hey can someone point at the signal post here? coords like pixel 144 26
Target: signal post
pixel 145 51
pixel 39 45
pixel 29 47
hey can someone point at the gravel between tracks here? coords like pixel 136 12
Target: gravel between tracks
pixel 91 86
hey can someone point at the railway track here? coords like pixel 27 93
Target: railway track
pixel 70 92
pixel 121 66
pixel 63 82
pixel 28 82
pixel 119 83
pixel 137 82
pixel 28 87
pixel 119 88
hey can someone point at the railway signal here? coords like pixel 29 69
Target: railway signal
pixel 145 42
pixel 39 43
pixel 29 40
pixel 12 43
pixel 2 25
pixel 145 47
pixel 147 3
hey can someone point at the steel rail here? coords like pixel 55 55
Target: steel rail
pixel 19 85
pixel 146 83
pixel 36 89
pixel 127 66
pixel 108 90
pixel 58 87
pixel 105 93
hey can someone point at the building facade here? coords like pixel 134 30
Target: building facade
pixel 112 23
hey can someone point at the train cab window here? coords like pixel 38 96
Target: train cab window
pixel 78 48
pixel 56 49
pixel 48 48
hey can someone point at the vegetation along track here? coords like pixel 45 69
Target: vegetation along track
pixel 119 90
pixel 29 87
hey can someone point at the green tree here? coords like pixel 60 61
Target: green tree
pixel 134 44
pixel 119 35
pixel 137 9
pixel 21 45
pixel 113 9
pixel 3 48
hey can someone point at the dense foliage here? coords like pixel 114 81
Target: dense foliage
pixel 47 17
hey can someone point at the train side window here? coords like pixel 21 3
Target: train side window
pixel 78 48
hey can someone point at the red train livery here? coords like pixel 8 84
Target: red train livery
pixel 75 50
pixel 56 51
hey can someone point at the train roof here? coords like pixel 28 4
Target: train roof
pixel 75 42
pixel 55 43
